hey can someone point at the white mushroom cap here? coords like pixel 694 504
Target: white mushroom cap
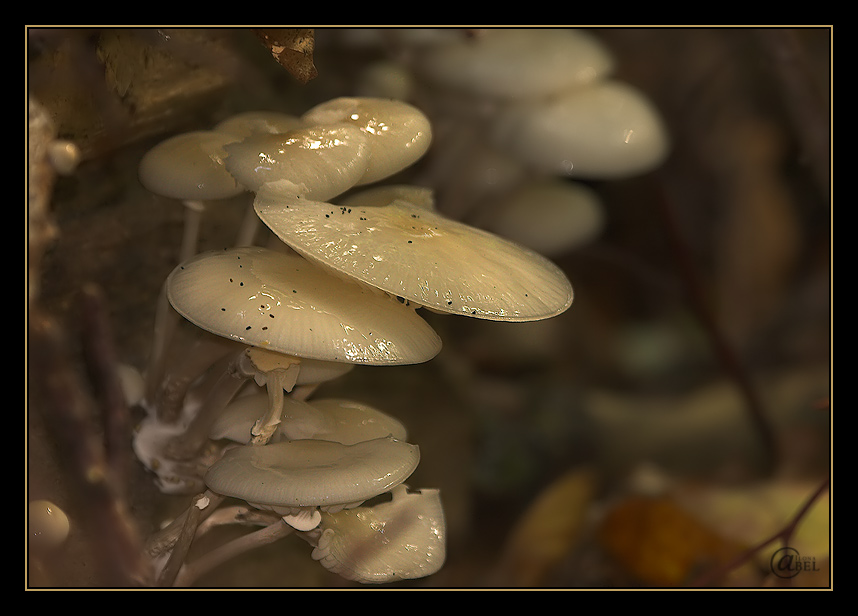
pixel 324 160
pixel 607 130
pixel 398 134
pixel 404 538
pixel 519 63
pixel 190 166
pixel 343 421
pixel 291 475
pixel 420 256
pixel 550 215
pixel 247 123
pixel 285 304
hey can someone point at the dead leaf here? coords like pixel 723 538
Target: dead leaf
pixel 292 48
pixel 659 543
pixel 547 532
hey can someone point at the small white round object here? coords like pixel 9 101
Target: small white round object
pixel 48 525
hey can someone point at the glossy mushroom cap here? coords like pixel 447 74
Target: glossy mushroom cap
pixel 286 304
pixel 419 255
pixel 398 134
pixel 190 166
pixel 289 476
pixel 324 161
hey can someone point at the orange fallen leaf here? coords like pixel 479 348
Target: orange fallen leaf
pixel 659 543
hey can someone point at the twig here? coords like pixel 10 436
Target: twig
pixel 784 535
pixel 724 352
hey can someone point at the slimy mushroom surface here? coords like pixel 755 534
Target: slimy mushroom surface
pixel 286 304
pixel 419 255
pixel 325 160
pixel 292 475
pixel 398 134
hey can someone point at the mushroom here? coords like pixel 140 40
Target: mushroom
pixel 419 256
pixel 398 134
pixel 511 64
pixel 300 478
pixel 190 168
pixel 403 538
pixel 606 130
pixel 324 161
pixel 283 303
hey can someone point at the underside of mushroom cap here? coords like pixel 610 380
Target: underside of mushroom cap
pixel 313 473
pixel 404 538
pixel 284 303
pixel 419 255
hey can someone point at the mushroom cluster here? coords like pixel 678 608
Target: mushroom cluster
pixel 230 408
pixel 524 118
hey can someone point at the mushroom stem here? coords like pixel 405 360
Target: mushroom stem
pixel 165 539
pixel 237 514
pixel 191 522
pixel 166 320
pixel 249 226
pixel 258 538
pixel 190 239
pixel 278 380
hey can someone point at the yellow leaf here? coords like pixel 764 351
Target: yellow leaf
pixel 547 532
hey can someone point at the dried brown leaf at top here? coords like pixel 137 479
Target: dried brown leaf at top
pixel 292 48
